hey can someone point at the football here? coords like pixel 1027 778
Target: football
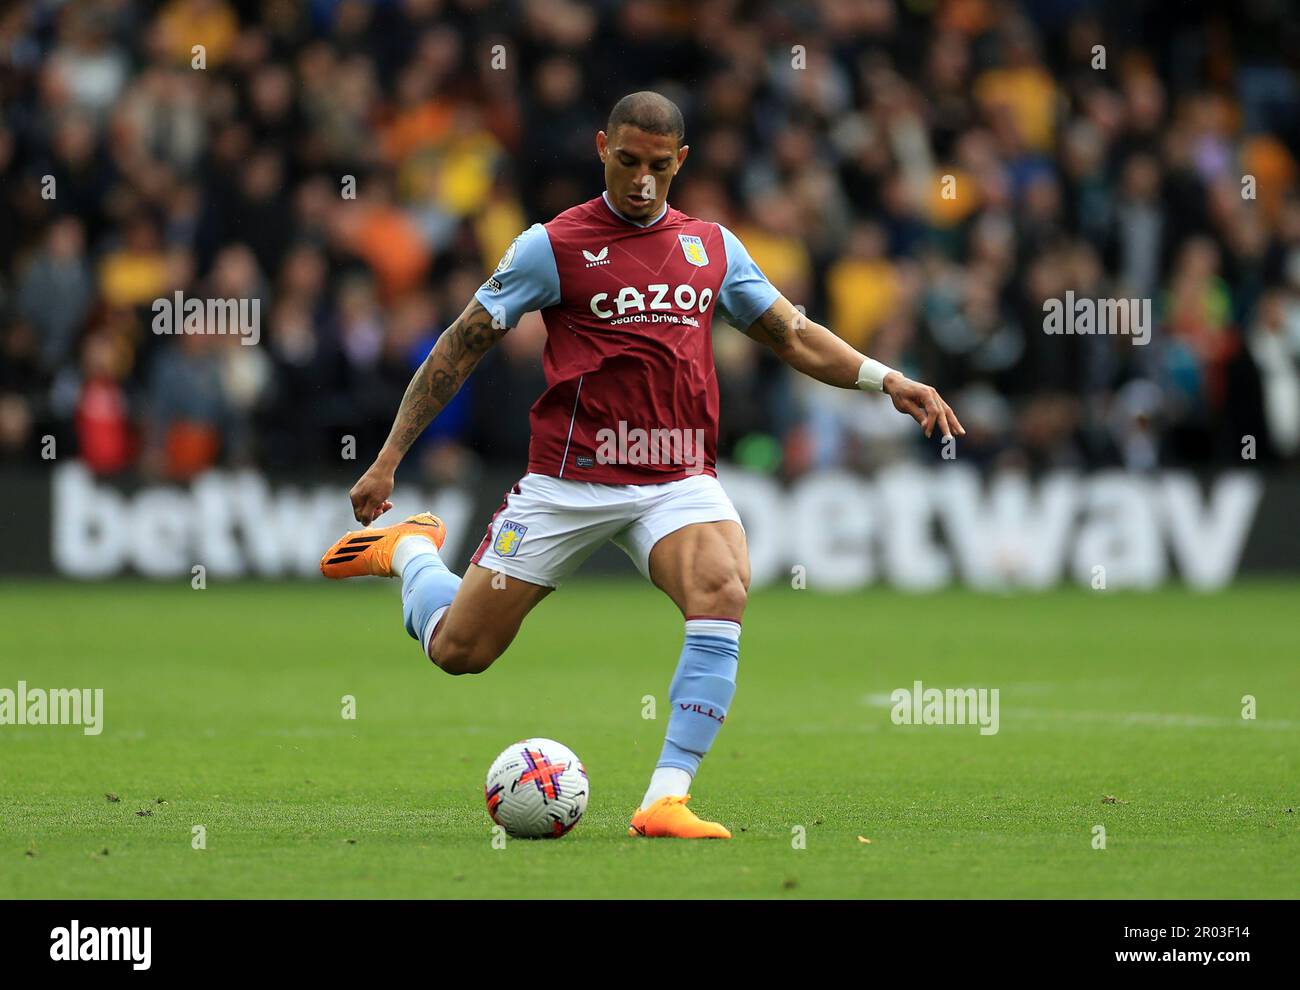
pixel 537 789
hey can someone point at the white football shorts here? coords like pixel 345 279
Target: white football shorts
pixel 547 527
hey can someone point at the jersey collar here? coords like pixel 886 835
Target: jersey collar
pixel 636 223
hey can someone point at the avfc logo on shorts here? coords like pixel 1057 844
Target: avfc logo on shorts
pixel 509 538
pixel 693 248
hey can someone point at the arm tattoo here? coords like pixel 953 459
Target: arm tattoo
pixel 808 347
pixel 775 329
pixel 441 375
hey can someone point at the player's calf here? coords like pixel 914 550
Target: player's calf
pixel 483 620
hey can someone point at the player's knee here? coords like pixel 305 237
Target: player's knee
pixel 454 660
pixel 723 593
pixel 460 656
pixel 733 596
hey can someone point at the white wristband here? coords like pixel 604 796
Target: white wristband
pixel 871 376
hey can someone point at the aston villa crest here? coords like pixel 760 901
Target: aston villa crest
pixel 693 248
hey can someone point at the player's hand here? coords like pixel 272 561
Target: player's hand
pixel 923 404
pixel 370 495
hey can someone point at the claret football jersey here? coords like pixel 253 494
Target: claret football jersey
pixel 631 394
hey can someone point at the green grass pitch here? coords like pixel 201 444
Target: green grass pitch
pixel 223 709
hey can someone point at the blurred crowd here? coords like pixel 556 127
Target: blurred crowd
pixel 920 175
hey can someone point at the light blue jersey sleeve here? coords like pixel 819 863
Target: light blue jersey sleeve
pixel 525 279
pixel 745 293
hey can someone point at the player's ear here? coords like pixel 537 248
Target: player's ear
pixel 681 154
pixel 602 144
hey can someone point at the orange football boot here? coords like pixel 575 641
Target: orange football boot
pixel 370 551
pixel 669 818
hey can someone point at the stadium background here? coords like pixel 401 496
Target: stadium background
pixel 128 174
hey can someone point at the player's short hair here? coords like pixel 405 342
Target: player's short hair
pixel 651 112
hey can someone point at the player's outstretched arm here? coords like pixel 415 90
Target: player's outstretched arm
pixel 453 357
pixel 812 349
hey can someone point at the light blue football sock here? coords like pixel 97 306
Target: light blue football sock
pixel 700 691
pixel 427 587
